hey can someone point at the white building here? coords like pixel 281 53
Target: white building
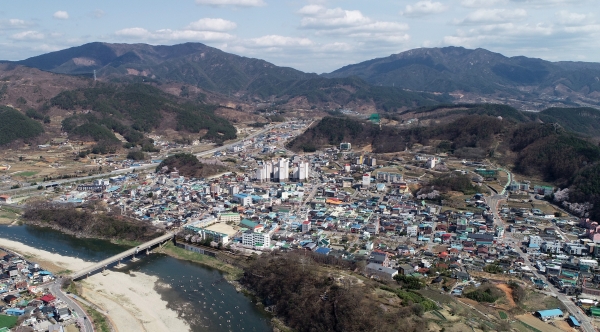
pixel 535 241
pixel 306 226
pixel 589 262
pixel 283 170
pixel 230 217
pixel 431 163
pixel 254 239
pixel 301 171
pixel 411 230
pixel 366 180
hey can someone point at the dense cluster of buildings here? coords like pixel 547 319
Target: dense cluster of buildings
pixel 24 293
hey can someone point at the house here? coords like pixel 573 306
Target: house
pixel 5 199
pixel 381 271
pixel 11 299
pixel 63 314
pixel 15 312
pixel 463 276
pixel 323 251
pixel 406 269
pixel 549 314
pixel 380 257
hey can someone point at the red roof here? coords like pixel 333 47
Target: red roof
pixel 48 298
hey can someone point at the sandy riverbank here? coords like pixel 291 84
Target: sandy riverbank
pixel 130 299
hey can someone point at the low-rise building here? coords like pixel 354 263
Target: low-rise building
pixel 380 271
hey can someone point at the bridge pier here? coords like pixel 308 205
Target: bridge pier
pixel 147 251
pixel 120 265
pixel 134 259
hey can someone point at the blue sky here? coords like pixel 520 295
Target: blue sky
pixel 310 35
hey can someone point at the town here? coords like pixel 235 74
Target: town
pixel 33 300
pixel 348 203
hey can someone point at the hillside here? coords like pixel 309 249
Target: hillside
pixel 132 110
pixel 202 67
pixel 192 63
pixel 539 149
pixel 481 72
pixel 14 126
pixel 583 120
pixel 188 165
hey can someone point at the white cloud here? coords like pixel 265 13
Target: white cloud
pixel 173 35
pixel 489 16
pixel 15 23
pixel 425 7
pixel 28 35
pixel 279 41
pixel 236 3
pixel 351 24
pixel 61 15
pixel 212 24
pixel 98 13
pixel 481 3
pixel 567 18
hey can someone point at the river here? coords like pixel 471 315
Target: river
pixel 199 294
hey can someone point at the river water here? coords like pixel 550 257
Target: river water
pixel 198 293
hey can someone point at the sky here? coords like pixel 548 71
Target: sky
pixel 309 35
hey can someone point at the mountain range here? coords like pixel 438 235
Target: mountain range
pixel 468 75
pixel 481 72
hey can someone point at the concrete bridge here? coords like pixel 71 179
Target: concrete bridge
pixel 124 255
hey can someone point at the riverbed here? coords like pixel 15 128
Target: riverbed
pixel 157 293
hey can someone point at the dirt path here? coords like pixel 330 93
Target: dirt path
pixel 508 291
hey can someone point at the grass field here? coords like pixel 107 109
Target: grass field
pixel 503 315
pixel 26 174
pixel 7 321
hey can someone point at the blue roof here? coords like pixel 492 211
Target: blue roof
pixel 574 321
pixel 549 313
pixel 322 250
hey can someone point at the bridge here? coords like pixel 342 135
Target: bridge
pixel 118 258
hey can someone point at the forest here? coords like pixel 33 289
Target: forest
pixel 188 165
pixel 90 220
pixel 309 299
pixel 134 109
pixel 14 126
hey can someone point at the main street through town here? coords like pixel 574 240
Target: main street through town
pixel 493 202
pixel 57 291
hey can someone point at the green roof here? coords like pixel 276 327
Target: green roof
pixel 248 223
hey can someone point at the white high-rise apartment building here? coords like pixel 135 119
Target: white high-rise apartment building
pixel 283 166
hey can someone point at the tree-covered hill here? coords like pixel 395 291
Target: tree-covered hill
pixel 132 110
pixel 188 165
pixel 583 120
pixel 14 125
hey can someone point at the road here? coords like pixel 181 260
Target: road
pixel 57 291
pixel 493 202
pixel 145 166
pixel 121 256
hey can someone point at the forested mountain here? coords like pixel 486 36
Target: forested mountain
pixel 192 63
pixel 213 70
pixel 456 69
